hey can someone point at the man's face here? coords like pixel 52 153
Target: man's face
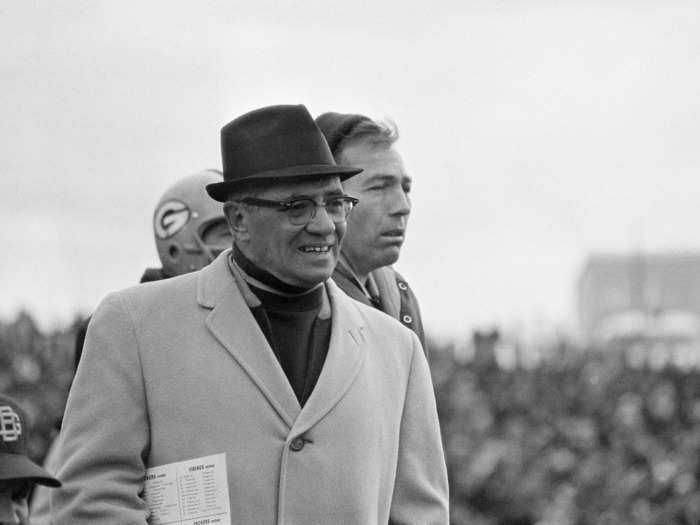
pixel 13 502
pixel 377 225
pixel 300 255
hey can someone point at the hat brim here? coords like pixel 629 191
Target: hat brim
pixel 219 190
pixel 20 467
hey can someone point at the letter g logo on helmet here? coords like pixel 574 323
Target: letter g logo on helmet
pixel 170 218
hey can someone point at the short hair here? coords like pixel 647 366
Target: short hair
pixel 373 132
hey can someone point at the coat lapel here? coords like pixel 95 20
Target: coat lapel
pixel 233 325
pixel 346 353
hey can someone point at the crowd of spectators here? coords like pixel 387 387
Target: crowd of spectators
pixel 36 368
pixel 581 438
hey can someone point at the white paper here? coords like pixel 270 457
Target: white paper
pixel 192 492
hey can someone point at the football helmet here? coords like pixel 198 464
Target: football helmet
pixel 189 226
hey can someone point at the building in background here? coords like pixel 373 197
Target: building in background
pixel 651 296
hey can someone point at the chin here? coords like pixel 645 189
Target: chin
pixel 389 256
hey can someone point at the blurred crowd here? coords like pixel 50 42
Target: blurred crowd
pixel 581 438
pixel 36 368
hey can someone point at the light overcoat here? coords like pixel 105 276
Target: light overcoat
pixel 179 369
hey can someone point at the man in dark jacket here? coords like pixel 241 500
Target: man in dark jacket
pixel 377 226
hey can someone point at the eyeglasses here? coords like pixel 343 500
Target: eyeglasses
pixel 302 211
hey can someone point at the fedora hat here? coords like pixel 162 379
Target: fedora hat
pixel 274 143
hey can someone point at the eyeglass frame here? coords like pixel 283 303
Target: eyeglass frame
pixel 285 206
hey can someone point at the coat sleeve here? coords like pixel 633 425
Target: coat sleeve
pixel 105 433
pixel 420 490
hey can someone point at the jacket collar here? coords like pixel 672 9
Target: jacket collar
pixel 212 279
pixel 234 327
pixel 366 292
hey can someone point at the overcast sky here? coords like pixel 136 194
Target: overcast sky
pixel 536 132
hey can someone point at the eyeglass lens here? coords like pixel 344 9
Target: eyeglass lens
pixel 303 211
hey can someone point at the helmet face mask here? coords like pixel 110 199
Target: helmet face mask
pixel 189 226
pixel 216 234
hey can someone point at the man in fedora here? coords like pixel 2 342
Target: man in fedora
pixel 18 473
pixel 377 227
pixel 321 408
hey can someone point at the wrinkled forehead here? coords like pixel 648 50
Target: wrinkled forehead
pixel 316 187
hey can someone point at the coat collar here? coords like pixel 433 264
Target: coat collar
pixel 212 279
pixel 234 327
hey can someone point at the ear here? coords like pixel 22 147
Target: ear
pixel 236 214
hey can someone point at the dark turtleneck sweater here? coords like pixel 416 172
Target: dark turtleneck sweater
pixel 291 326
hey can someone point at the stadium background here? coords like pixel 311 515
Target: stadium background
pixel 574 438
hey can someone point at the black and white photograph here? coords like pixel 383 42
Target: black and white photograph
pixel 309 263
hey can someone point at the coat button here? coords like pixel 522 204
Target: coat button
pixel 407 319
pixel 297 444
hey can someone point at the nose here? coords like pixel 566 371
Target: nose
pixel 321 224
pixel 400 202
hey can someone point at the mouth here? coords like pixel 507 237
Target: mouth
pixel 393 233
pixel 316 248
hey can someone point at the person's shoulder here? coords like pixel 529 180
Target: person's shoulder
pixel 172 293
pixel 377 325
pixel 346 284
pixel 390 274
pixel 391 347
pixel 141 298
pixel 142 305
pixel 162 287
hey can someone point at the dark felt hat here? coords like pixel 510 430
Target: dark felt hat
pixel 274 143
pixel 14 462
pixel 337 126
